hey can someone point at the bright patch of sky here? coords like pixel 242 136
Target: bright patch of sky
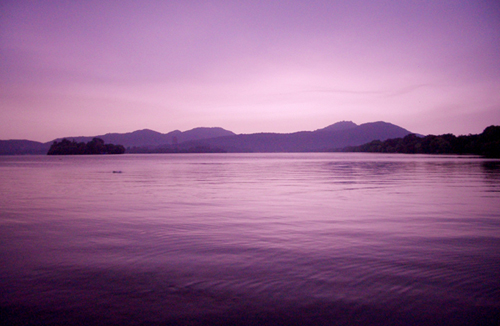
pixel 73 68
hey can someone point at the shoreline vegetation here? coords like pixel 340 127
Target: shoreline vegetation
pixel 486 144
pixel 94 147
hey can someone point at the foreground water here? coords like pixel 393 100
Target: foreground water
pixel 285 239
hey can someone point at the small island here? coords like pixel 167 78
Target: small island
pixel 93 147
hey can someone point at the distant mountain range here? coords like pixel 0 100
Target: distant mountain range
pixel 146 139
pixel 336 136
pixel 18 146
pixel 151 139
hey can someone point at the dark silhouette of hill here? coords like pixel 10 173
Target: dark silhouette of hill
pixel 339 135
pixel 93 147
pixel 148 139
pixel 202 140
pixel 22 147
pixel 341 125
pixel 487 144
pixel 140 140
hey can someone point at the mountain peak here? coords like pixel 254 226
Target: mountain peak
pixel 341 125
pixel 205 132
pixel 145 131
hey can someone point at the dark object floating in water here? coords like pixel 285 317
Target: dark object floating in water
pixel 117 171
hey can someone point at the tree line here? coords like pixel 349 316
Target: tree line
pixel 486 144
pixel 95 146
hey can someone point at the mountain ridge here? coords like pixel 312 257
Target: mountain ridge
pixel 326 139
pixel 341 125
pixel 337 135
pixel 151 138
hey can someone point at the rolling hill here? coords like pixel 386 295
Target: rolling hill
pixel 150 139
pixel 332 137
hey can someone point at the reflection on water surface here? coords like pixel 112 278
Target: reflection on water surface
pixel 290 239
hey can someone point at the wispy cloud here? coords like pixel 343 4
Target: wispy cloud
pixel 244 66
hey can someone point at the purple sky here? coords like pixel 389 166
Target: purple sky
pixel 71 68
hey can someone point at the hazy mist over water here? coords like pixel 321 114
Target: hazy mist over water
pixel 293 239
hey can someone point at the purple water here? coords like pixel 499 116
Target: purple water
pixel 250 239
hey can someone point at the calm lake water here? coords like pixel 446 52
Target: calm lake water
pixel 244 239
